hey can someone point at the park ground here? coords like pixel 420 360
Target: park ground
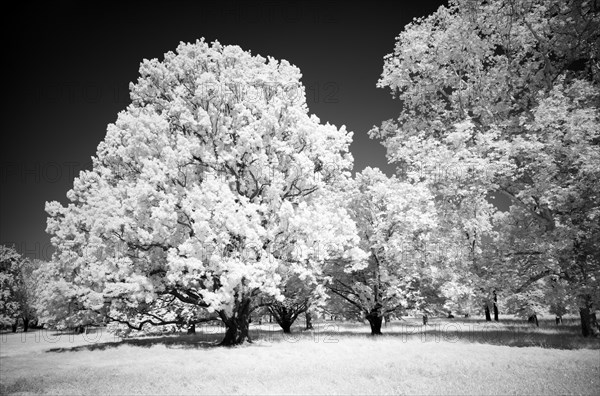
pixel 458 356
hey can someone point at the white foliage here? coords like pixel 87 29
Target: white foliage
pixel 203 184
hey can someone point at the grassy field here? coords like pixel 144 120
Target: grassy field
pixel 447 357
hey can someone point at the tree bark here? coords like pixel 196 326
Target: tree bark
pixel 308 316
pixel 237 324
pixel 534 319
pixel 589 324
pixel 192 329
pixel 488 317
pixel 14 326
pixel 25 325
pixel 284 318
pixel 495 307
pixel 375 322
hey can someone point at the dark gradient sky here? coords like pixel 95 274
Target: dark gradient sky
pixel 69 66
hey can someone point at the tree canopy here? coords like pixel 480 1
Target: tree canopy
pixel 211 182
pixel 505 95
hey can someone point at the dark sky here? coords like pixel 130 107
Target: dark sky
pixel 69 66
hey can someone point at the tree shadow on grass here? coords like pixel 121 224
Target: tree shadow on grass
pixel 177 341
pixel 507 332
pixel 201 340
pixel 510 332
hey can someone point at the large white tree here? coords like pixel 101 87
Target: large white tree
pixel 213 181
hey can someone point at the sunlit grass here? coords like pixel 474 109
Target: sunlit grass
pixel 446 357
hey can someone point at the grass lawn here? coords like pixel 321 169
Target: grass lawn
pixel 448 357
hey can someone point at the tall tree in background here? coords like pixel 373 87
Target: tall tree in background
pixel 299 295
pixel 198 191
pixel 524 77
pixel 18 289
pixel 10 280
pixel 395 222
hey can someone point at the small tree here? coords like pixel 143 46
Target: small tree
pixel 559 298
pixel 11 283
pixel 19 289
pixel 395 220
pixel 299 295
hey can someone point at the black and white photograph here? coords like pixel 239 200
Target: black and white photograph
pixel 301 198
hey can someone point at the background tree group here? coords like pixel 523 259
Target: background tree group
pixel 508 93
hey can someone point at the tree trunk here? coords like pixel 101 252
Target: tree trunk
pixel 588 322
pixel 237 324
pixel 285 316
pixel 533 319
pixel 286 326
pixel 495 307
pixel 192 329
pixel 375 322
pixel 14 326
pixel 25 325
pixel 285 319
pixel 488 317
pixel 308 317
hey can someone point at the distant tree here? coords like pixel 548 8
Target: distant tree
pixel 395 220
pixel 460 297
pixel 18 289
pixel 559 298
pixel 11 282
pixel 338 308
pixel 58 303
pixel 299 295
pixel 527 303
